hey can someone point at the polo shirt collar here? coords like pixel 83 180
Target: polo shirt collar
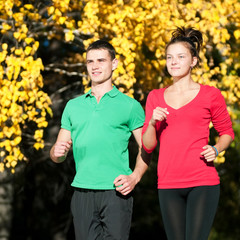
pixel 111 93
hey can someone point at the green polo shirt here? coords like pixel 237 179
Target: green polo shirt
pixel 100 133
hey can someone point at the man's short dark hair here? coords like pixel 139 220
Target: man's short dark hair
pixel 101 44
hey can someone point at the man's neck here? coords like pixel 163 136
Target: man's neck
pixel 99 90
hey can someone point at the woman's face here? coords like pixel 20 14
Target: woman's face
pixel 179 60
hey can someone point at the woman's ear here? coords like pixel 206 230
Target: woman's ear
pixel 194 62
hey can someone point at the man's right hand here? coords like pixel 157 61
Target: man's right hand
pixel 61 148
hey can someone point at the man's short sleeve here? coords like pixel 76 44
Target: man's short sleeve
pixel 137 116
pixel 66 121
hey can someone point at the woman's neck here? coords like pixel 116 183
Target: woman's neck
pixel 183 84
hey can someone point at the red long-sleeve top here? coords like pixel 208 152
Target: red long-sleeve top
pixel 182 137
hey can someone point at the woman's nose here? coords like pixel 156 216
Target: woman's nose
pixel 174 60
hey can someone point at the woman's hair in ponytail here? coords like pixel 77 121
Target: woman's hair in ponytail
pixel 192 37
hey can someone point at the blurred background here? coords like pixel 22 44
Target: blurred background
pixel 42 52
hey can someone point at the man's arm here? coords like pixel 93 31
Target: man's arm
pixel 60 149
pixel 126 183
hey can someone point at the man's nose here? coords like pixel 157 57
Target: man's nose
pixel 95 65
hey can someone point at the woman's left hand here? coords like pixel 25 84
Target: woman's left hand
pixel 209 153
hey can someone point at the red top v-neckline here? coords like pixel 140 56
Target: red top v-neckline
pixel 185 105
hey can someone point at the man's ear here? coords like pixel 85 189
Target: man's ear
pixel 114 64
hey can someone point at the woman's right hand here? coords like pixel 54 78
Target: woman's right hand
pixel 159 114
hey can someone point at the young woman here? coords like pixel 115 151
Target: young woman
pixel 178 116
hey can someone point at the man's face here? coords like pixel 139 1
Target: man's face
pixel 100 66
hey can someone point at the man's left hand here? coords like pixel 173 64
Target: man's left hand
pixel 125 183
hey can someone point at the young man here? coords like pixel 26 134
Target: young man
pixel 99 124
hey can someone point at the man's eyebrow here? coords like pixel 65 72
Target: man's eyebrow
pixel 99 59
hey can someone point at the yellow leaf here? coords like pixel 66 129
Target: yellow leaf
pixel 58 12
pixel 24 28
pixel 28 50
pixel 24 116
pixel 16 35
pixel 69 36
pixel 8 147
pixel 42 124
pixel 51 10
pixel 50 112
pixel 13 164
pixel 35 46
pixel 18 17
pixel 6 27
pixel 4 46
pixel 38 145
pixel 29 40
pixel 2 153
pixel 62 20
pixel 38 134
pixel 18 51
pixel 16 71
pixel 17 140
pixel 29 6
pixel 237 34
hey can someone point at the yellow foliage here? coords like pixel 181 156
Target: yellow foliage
pixel 132 25
pixel 138 29
pixel 20 84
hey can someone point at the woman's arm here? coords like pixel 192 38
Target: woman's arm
pixel 222 144
pixel 150 137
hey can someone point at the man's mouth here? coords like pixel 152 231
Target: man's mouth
pixel 96 73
